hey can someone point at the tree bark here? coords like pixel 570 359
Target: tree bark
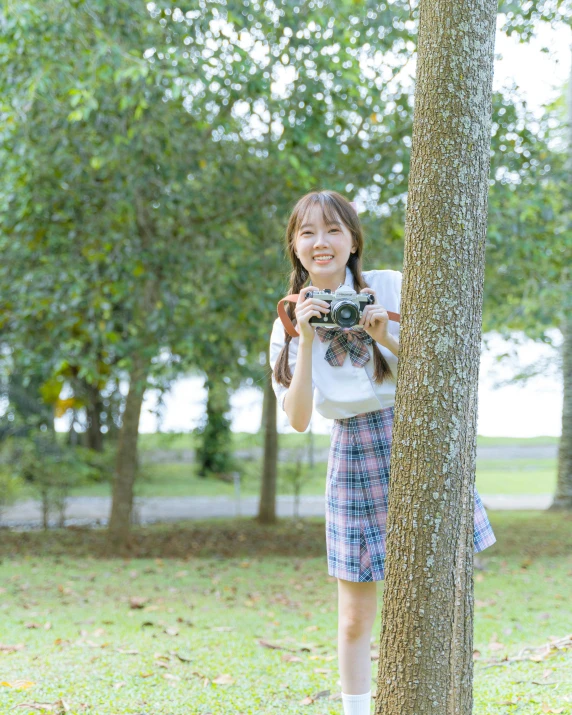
pixel 126 461
pixel 426 648
pixel 563 496
pixel 93 410
pixel 267 503
pixel 214 443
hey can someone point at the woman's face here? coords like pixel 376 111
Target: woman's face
pixel 333 242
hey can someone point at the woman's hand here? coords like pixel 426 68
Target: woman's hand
pixel 375 320
pixel 307 308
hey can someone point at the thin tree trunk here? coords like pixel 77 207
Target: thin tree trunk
pixel 563 496
pixel 267 504
pixel 214 443
pixel 45 510
pixel 426 648
pixel 126 461
pixel 93 409
pixel 72 434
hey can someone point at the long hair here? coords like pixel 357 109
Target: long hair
pixel 334 207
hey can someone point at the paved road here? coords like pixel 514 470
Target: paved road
pixel 321 454
pixel 94 511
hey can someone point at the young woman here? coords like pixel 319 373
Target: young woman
pixel 349 374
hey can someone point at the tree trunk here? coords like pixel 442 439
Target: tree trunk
pixel 563 496
pixel 427 633
pixel 45 509
pixel 73 438
pixel 311 450
pixel 126 461
pixel 93 410
pixel 267 504
pixel 214 443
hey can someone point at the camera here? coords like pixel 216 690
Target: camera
pixel 346 307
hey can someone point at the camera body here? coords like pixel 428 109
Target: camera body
pixel 346 307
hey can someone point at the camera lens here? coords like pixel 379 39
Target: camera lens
pixel 345 314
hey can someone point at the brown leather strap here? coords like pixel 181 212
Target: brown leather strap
pixel 289 326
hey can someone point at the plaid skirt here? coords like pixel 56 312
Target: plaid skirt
pixel 357 490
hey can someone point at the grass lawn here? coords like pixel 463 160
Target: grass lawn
pixel 175 478
pixel 231 617
pixel 244 440
pixel 517 476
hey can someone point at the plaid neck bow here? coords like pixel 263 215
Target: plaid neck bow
pixel 353 342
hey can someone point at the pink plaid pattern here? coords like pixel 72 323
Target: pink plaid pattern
pixel 352 342
pixel 357 490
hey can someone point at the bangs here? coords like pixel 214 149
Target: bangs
pixel 330 212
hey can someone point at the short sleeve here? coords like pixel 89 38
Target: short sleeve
pixel 277 342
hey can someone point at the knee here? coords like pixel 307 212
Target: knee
pixel 354 623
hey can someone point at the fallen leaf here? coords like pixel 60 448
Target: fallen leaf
pixel 11 648
pixel 224 679
pixel 137 602
pixel 290 658
pixel 266 644
pixel 60 707
pixel 171 631
pixel 169 676
pixel 18 684
pixel 309 699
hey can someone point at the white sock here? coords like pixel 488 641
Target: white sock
pixel 357 704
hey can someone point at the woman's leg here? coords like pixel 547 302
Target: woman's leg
pixel 357 607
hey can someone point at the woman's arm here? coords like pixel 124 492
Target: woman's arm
pixel 298 402
pixel 392 343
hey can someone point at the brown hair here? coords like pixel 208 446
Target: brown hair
pixel 334 207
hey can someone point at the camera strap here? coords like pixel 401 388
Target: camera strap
pixel 289 326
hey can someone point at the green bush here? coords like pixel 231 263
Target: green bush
pixel 50 468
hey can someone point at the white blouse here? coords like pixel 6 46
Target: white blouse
pixel 346 391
